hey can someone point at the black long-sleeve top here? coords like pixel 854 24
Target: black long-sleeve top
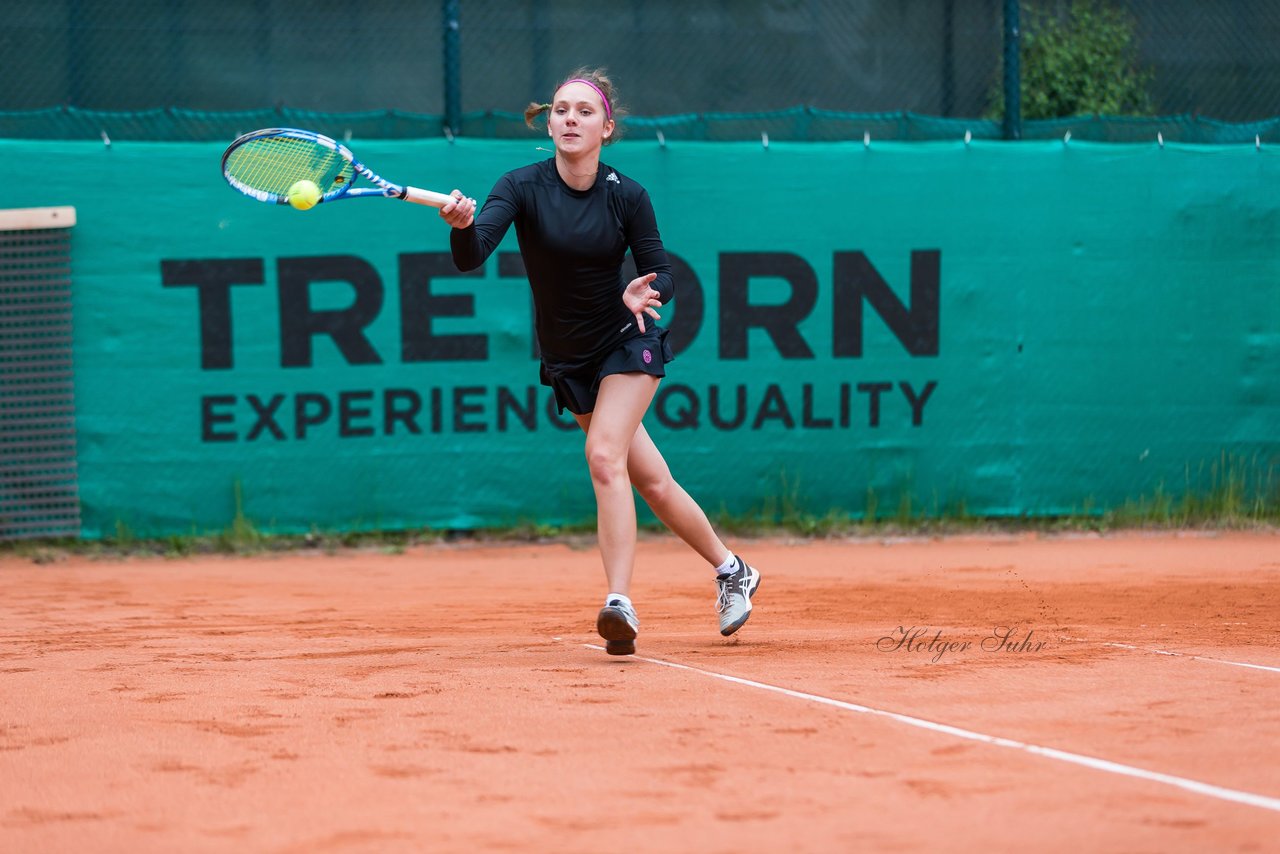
pixel 573 243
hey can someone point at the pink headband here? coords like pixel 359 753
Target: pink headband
pixel 608 111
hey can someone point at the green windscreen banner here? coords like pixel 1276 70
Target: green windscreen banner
pixel 990 328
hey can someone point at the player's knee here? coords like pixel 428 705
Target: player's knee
pixel 654 487
pixel 607 464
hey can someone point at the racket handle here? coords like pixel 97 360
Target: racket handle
pixel 426 197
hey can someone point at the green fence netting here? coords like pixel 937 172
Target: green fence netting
pixel 797 124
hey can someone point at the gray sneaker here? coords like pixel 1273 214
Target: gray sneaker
pixel 734 599
pixel 618 625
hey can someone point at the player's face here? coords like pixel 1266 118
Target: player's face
pixel 578 123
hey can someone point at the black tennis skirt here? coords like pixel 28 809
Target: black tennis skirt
pixel 576 386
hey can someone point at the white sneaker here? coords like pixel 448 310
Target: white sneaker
pixel 734 599
pixel 618 625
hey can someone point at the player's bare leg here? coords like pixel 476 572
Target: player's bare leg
pixel 674 507
pixel 622 401
pixel 736 582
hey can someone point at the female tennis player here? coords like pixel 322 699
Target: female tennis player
pixel 575 219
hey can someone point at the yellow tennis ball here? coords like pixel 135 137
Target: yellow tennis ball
pixel 303 195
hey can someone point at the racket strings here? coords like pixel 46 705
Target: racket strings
pixel 273 164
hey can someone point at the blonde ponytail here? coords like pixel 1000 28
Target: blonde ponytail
pixel 534 110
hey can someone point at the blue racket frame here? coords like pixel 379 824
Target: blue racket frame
pixel 383 188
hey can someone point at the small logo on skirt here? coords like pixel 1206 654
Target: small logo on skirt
pixel 648 357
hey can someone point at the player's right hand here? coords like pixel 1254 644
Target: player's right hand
pixel 461 212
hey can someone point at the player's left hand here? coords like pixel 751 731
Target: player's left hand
pixel 640 299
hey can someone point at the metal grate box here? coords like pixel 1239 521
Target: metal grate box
pixel 38 487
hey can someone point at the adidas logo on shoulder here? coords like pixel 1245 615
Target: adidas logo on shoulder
pixel 613 176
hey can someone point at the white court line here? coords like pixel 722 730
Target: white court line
pixel 1196 786
pixel 1194 657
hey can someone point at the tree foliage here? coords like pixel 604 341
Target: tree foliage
pixel 1083 62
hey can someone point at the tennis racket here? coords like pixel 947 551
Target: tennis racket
pixel 264 164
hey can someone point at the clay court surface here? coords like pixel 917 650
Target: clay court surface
pixel 450 698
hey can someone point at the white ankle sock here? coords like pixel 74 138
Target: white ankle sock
pixel 730 565
pixel 613 597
